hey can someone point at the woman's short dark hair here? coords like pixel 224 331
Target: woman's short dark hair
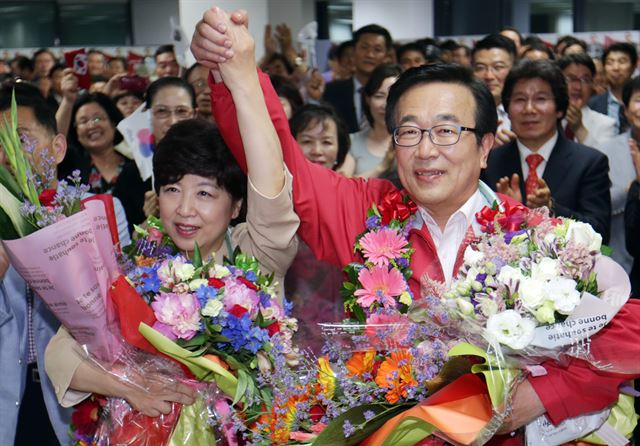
pixel 378 75
pixel 630 87
pixel 486 116
pixel 281 58
pixel 195 147
pixel 170 81
pixel 105 102
pixel 546 70
pixel 309 114
pixel 288 90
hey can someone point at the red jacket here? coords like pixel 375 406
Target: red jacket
pixel 332 211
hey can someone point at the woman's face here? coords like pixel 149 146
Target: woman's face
pixel 197 210
pixel 319 142
pixel 633 111
pixel 378 102
pixel 170 105
pixel 128 104
pixel 95 130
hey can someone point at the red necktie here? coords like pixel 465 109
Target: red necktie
pixel 531 185
pixel 569 133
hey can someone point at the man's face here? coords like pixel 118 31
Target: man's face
pixel 96 64
pixel 166 65
pixel 618 68
pixel 532 110
pixel 579 82
pixel 45 144
pixel 411 58
pixel 515 38
pixel 43 64
pixel 198 80
pixel 492 67
pixel 370 51
pixel 461 57
pixel 56 81
pixel 440 178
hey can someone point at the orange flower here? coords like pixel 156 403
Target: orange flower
pixel 396 374
pixel 361 363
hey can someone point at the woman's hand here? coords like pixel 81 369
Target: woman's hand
pixel 69 85
pixel 153 396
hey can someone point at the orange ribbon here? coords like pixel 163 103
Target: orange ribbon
pixel 460 411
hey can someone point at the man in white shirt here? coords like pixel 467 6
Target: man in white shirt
pixel 542 167
pixel 582 124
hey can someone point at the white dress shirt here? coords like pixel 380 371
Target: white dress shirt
pixel 544 151
pixel 599 127
pixel 448 242
pixel 503 118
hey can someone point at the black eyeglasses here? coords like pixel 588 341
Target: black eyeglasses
pixel 440 135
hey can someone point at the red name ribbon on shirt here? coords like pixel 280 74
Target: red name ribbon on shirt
pixel 510 220
pixel 396 206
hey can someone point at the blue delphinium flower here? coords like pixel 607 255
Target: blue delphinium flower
pixel 204 293
pixel 242 334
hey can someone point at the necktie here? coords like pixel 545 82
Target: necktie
pixel 531 185
pixel 569 133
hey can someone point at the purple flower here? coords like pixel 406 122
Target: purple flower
pixel 510 235
pixel 348 429
pixel 373 222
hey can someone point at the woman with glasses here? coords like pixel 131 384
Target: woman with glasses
pixel 93 135
pixel 171 100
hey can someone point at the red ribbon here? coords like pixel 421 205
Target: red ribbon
pixel 396 206
pixel 512 219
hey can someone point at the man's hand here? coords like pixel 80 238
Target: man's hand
pixel 210 44
pixel 69 85
pixel 635 156
pixel 503 136
pixel 270 42
pixel 525 407
pixel 542 197
pixel 315 86
pixel 510 187
pixel 150 206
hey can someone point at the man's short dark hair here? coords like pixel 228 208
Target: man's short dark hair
pixel 539 46
pixel 411 46
pixel 449 45
pixel 374 29
pixel 163 49
pixel 577 59
pixel 23 63
pixel 570 41
pixel 169 81
pixel 486 116
pixel 57 67
pixel 195 147
pixel 546 70
pixel 28 95
pixel 630 87
pixel 622 47
pixel 495 41
pixel 344 46
pixel 187 73
pixel 512 29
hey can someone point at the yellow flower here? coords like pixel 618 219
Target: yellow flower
pixel 405 298
pixel 326 377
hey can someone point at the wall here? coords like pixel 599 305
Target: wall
pixel 150 21
pixel 405 19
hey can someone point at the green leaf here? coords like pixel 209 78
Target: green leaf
pixel 9 182
pixel 243 383
pixel 193 427
pixel 410 431
pixel 7 231
pixel 197 257
pixel 606 250
pixel 11 206
pixel 333 434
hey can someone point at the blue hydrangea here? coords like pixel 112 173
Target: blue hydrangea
pixel 204 293
pixel 251 276
pixel 288 306
pixel 243 334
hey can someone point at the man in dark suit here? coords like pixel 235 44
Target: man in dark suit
pixel 542 165
pixel 372 46
pixel 619 61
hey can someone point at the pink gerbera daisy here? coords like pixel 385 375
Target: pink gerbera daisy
pixel 379 285
pixel 382 246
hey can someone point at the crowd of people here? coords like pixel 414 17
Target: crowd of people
pixel 545 126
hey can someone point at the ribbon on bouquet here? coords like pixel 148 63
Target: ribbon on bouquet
pixel 460 411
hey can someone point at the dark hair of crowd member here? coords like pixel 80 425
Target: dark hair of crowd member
pixel 411 46
pixel 288 90
pixel 28 95
pixel 163 49
pixel 622 47
pixel 577 59
pixel 378 75
pixel 486 116
pixel 539 46
pixel 170 81
pixel 23 63
pixel 630 87
pixel 568 41
pixel 57 67
pixel 546 70
pixel 344 46
pixel 109 107
pixel 374 29
pixel 42 51
pixel 513 30
pixel 311 114
pixel 496 41
pixel 278 56
pixel 189 70
pixel 195 147
pixel 449 45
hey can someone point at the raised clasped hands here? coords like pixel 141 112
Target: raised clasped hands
pixel 222 43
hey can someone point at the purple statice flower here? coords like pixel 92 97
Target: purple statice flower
pixel 348 429
pixel 372 222
pixel 368 414
pixel 511 234
pixel 242 334
pixel 402 262
pixel 481 278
